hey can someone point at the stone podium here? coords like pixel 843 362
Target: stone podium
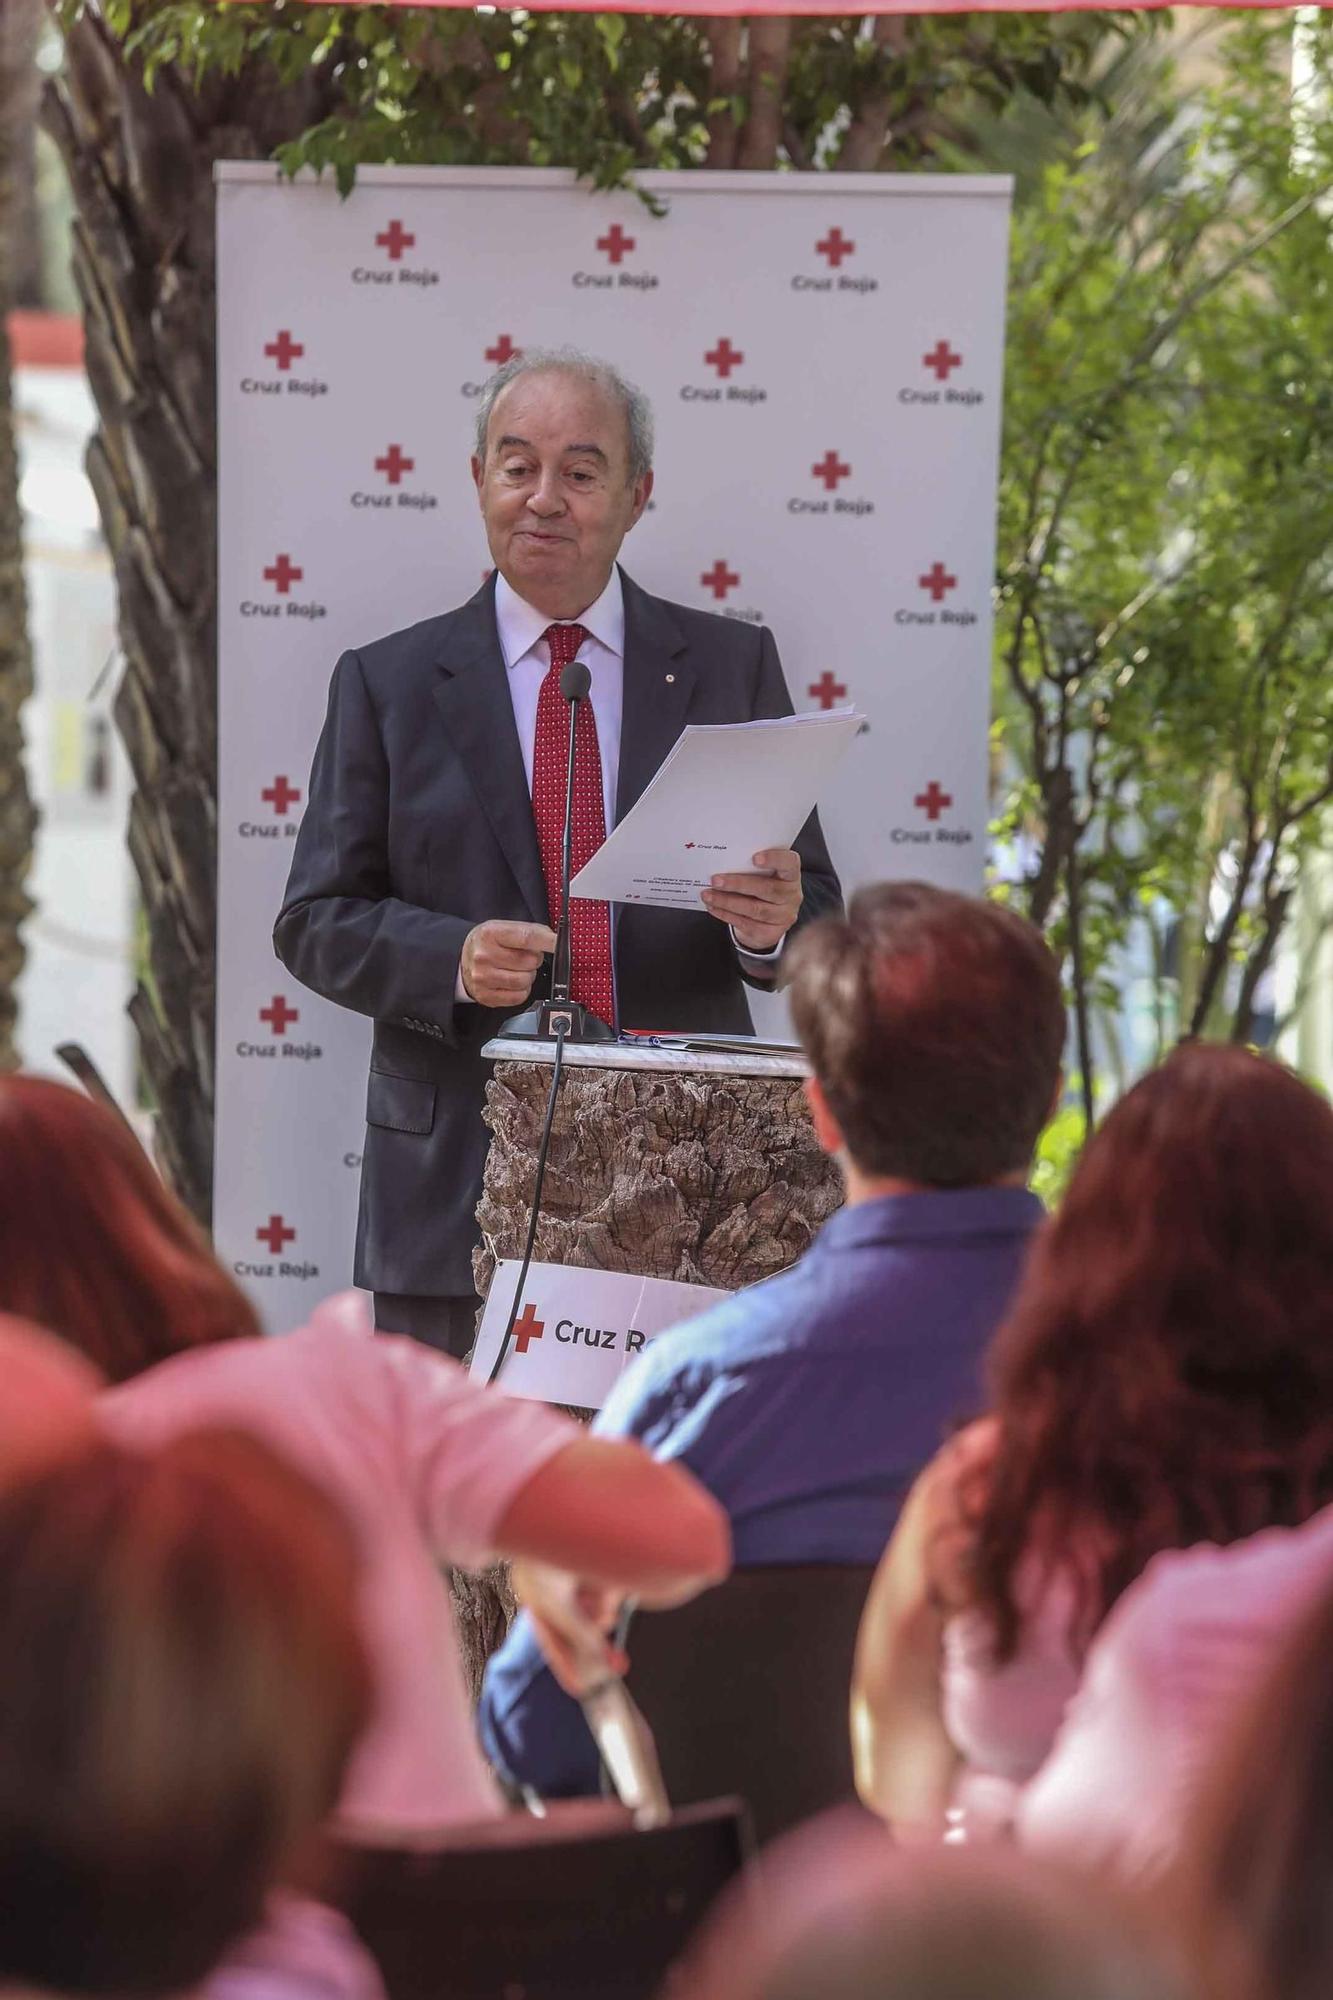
pixel 696 1165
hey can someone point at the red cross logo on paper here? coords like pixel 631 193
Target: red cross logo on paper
pixel 942 359
pixel 395 239
pixel 615 243
pixel 503 350
pixel 724 357
pixel 284 350
pixel 282 574
pixel 280 795
pixel 394 464
pixel 279 1016
pixel 827 690
pixel 831 469
pixel 527 1328
pixel 275 1233
pixel 835 247
pixel 938 582
pixel 933 801
pixel 719 579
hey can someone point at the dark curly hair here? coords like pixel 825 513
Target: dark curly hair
pixel 1165 1374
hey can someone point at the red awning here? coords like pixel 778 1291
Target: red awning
pixel 45 340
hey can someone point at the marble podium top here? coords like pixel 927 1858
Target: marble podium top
pixel 663 1055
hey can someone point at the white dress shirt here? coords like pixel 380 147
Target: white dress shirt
pixel 521 629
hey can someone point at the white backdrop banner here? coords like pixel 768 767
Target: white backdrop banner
pixel 824 353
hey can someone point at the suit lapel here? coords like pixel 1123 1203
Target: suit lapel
pixel 472 694
pixel 658 684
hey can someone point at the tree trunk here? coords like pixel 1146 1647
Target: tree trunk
pixel 20 23
pixel 141 170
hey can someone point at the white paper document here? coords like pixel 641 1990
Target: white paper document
pixel 725 791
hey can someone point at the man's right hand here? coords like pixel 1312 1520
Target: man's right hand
pixel 500 961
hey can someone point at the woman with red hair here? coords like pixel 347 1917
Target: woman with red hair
pixel 431 1469
pixel 1164 1377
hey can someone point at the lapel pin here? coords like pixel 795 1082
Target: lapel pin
pixel 670 679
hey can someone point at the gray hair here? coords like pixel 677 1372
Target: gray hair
pixel 571 361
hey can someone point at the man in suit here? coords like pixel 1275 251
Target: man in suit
pixel 425 878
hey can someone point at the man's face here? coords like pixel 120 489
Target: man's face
pixel 555 490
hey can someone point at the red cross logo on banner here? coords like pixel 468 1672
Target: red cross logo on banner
pixel 275 1233
pixel 395 239
pixel 724 357
pixel 938 581
pixel 503 350
pixel 615 243
pixel 942 359
pixel 282 574
pixel 932 802
pixel 527 1328
pixel 284 350
pixel 719 579
pixel 835 247
pixel 826 690
pixel 831 469
pixel 280 795
pixel 393 464
pixel 279 1016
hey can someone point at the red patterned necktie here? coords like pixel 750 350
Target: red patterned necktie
pixel 590 980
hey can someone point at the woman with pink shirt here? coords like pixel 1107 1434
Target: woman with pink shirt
pixel 1164 1377
pixel 431 1469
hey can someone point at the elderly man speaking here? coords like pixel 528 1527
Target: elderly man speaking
pixel 425 878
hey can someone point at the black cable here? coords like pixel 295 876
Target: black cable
pixel 560 1030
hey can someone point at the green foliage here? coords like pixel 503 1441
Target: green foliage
pixel 1057 1153
pixel 1165 589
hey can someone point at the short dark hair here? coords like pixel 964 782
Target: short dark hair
pixel 935 1026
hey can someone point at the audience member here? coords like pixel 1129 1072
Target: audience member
pixel 1165 1376
pixel 934 1027
pixel 182 1679
pixel 429 1467
pixel 845 1916
pixel 1257 1853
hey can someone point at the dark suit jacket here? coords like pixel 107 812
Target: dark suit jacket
pixel 419 825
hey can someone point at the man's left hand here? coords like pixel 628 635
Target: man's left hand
pixel 761 909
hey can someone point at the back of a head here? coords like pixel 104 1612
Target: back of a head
pixel 845 1916
pixel 93 1245
pixel 935 1025
pixel 182 1679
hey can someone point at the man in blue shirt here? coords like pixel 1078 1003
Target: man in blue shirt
pixel 934 1024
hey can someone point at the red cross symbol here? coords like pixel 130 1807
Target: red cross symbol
pixel 831 469
pixel 616 243
pixel 283 574
pixel 280 795
pixel 527 1327
pixel 503 350
pixel 835 247
pixel 284 350
pixel 942 359
pixel 719 579
pixel 724 357
pixel 938 581
pixel 932 802
pixel 393 464
pixel 279 1016
pixel 395 239
pixel 826 690
pixel 275 1233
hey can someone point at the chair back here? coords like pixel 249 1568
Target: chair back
pixel 747 1689
pixel 577 1906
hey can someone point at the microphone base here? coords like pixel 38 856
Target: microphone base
pixel 538 1024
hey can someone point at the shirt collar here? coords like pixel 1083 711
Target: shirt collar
pixel 520 625
pixel 933 1214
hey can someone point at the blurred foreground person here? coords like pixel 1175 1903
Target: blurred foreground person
pixel 182 1679
pixel 808 1404
pixel 842 1915
pixel 1165 1377
pixel 47 1407
pixel 429 1467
